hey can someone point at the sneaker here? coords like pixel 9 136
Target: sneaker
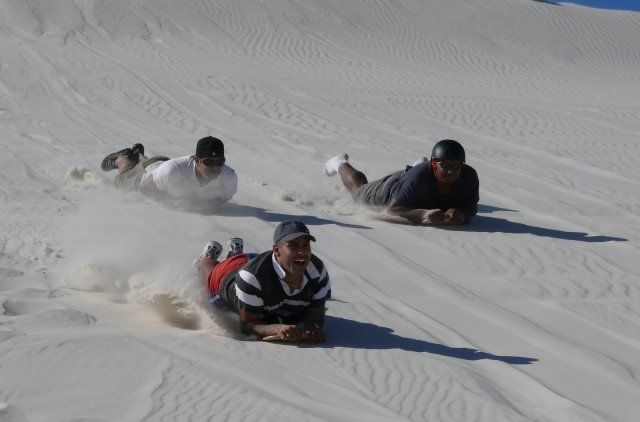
pixel 331 165
pixel 138 149
pixel 235 246
pixel 211 250
pixel 109 162
pixel 419 161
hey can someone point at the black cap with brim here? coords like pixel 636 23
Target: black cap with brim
pixel 289 230
pixel 296 235
pixel 210 147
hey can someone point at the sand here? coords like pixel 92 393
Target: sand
pixel 531 313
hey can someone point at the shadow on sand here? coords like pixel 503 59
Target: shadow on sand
pixel 488 209
pixel 238 210
pixel 343 332
pixel 485 224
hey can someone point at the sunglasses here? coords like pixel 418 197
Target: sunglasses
pixel 212 162
pixel 449 165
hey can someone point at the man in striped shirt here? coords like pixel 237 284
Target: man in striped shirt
pixel 281 292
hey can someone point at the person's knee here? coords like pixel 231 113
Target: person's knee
pixel 360 179
pixel 354 181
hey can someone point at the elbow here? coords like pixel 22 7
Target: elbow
pixel 468 216
pixel 246 327
pixel 395 209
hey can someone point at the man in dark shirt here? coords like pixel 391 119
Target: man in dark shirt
pixel 281 292
pixel 443 190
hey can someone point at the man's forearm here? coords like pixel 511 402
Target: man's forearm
pixel 414 215
pixel 260 329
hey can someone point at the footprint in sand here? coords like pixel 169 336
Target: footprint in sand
pixel 25 307
pixel 9 278
pixel 11 413
pixel 51 319
pixel 6 335
pixel 35 293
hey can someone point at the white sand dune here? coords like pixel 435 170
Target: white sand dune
pixel 530 313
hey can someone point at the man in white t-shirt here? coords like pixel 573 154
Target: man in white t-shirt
pixel 196 183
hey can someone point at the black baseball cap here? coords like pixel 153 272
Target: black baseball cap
pixel 210 147
pixel 289 230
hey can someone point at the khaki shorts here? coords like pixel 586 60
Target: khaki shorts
pixel 130 178
pixel 377 192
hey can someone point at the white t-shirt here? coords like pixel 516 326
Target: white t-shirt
pixel 178 178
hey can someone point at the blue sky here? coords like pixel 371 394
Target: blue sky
pixel 607 4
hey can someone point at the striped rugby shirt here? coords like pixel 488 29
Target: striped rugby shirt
pixel 260 289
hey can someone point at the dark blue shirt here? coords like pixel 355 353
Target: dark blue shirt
pixel 418 189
